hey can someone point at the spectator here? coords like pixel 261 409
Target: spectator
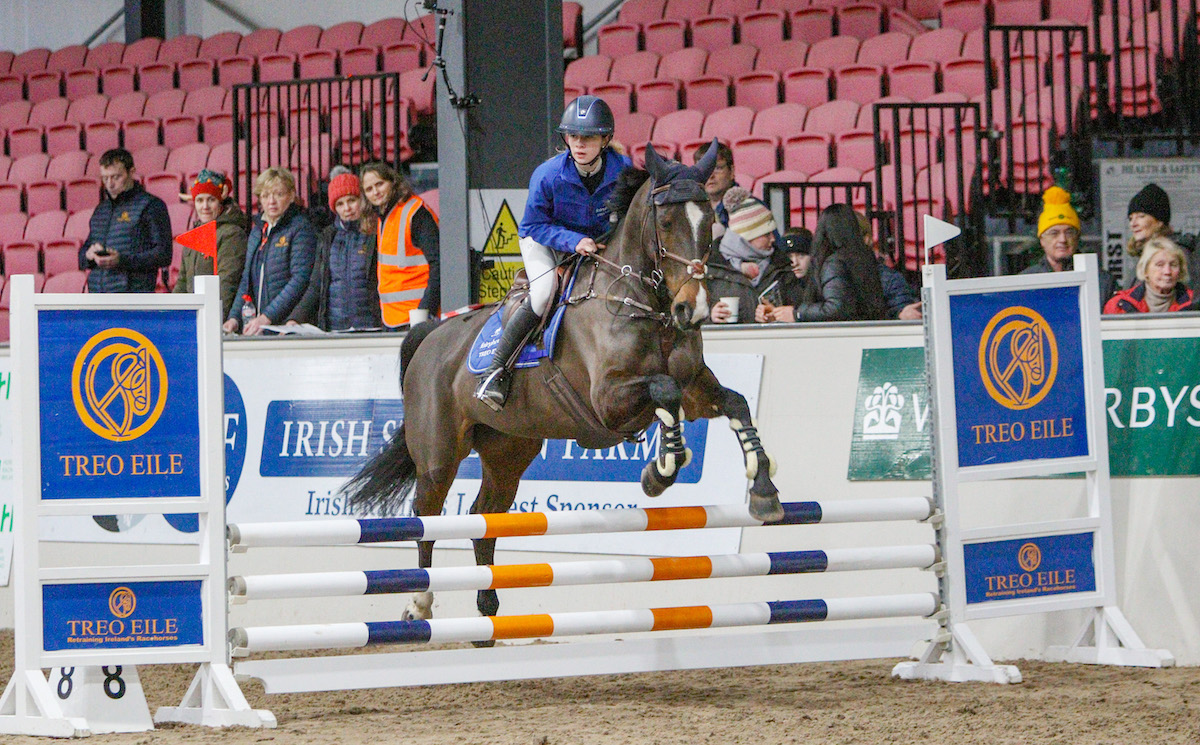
pixel 902 303
pixel 210 199
pixel 718 183
pixel 787 276
pixel 1162 274
pixel 407 241
pixel 344 291
pixel 745 252
pixel 1150 217
pixel 1058 232
pixel 279 258
pixel 846 284
pixel 129 237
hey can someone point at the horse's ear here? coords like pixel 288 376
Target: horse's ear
pixel 654 163
pixel 704 167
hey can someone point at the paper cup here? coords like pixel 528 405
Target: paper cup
pixel 732 302
pixel 417 315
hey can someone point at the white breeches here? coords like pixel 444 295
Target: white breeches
pixel 540 265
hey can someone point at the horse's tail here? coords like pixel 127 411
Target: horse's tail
pixel 412 340
pixel 384 482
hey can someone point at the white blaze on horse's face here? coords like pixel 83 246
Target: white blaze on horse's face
pixel 696 218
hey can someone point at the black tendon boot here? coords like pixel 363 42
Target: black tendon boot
pixel 494 383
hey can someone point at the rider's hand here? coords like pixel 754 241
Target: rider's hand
pixel 586 246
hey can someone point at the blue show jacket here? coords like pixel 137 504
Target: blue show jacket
pixel 559 211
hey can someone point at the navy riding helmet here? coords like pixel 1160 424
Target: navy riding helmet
pixel 587 115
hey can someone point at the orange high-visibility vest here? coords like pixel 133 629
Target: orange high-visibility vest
pixel 403 271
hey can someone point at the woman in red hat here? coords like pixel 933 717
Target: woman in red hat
pixel 210 200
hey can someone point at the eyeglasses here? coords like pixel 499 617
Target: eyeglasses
pixel 1064 232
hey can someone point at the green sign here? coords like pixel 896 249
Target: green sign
pixel 1152 404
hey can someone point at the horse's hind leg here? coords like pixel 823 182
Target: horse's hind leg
pixel 503 460
pixel 661 472
pixel 707 398
pixel 430 496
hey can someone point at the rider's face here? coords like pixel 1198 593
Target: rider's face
pixel 585 148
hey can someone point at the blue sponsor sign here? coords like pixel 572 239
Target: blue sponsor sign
pixel 334 437
pixel 120 615
pixel 1024 568
pixel 235 454
pixel 1018 376
pixel 118 414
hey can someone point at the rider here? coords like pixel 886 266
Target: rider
pixel 566 212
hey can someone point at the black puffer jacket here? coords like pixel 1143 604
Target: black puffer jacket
pixel 277 268
pixel 352 259
pixel 840 300
pixel 136 225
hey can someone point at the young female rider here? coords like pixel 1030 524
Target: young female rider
pixel 566 212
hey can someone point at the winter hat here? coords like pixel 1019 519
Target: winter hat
pixel 212 183
pixel 342 184
pixel 1057 210
pixel 1153 201
pixel 748 217
pixel 796 243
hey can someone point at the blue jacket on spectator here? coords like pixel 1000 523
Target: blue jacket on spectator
pixel 136 225
pixel 559 211
pixel 279 263
pixel 897 293
pixel 344 290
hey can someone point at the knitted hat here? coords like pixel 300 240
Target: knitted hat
pixel 1057 210
pixel 748 217
pixel 343 185
pixel 1153 201
pixel 211 183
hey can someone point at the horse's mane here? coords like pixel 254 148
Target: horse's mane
pixel 628 183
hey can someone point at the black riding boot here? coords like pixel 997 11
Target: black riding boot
pixel 494 383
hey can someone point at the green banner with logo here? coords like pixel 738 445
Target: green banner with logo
pixel 1152 405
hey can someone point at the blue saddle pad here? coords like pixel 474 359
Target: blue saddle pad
pixel 485 343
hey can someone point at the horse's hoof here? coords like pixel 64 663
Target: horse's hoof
pixel 485 644
pixel 653 483
pixel 766 507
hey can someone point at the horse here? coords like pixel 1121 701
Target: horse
pixel 629 351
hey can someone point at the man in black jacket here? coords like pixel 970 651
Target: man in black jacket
pixel 130 232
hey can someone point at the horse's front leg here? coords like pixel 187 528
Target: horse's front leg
pixel 673 455
pixel 707 398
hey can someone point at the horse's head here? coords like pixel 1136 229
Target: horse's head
pixel 680 223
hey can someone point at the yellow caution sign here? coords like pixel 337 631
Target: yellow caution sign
pixel 501 257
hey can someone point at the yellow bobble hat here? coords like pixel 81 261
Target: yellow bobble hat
pixel 1057 210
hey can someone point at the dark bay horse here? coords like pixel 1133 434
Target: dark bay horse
pixel 629 351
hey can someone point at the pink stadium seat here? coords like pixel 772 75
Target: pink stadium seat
pixel 1016 12
pixel 859 83
pixel 686 9
pixel 318 63
pixel 866 117
pixel 105 55
pixel 924 10
pixel 884 49
pixel 341 36
pixel 964 15
pixel 87 109
pixel 66 282
pixel 235 70
pixel 855 148
pixel 619 39
pixel 43 196
pixel 633 68
pixel 664 36
pixel 63 137
pixel 757 90
pixel 101 136
pixel 728 124
pixel 14 114
pixel 259 41
pixel 731 61
pixel 125 107
pixel 141 52
pixel 658 97
pixel 755 155
pixel 363 60
pixel 678 126
pixel 572 28
pixel 165 186
pixel 713 32
pixel 141 133
pixel 963 75
pixel 48 226
pixel 383 32
pixel 12 88
pixel 221 158
pixel 29 61
pixel 10 199
pixel 165 103
pixel 783 56
pixel 276 67
pixel 784 5
pixel 706 93
pixel 937 45
pixel 12 226
pixel 188 159
pixel 399 57
pixel 683 64
pixel 831 117
pixel 179 48
pixel 423 29
pixel 81 82
pixel 806 151
pixel 218 128
pixel 81 193
pixel 833 52
pixel 117 79
pixel 779 121
pixel 155 77
pixel 634 128
pixel 782 177
pixel 181 129
pixel 618 96
pixel 60 257
pixel 808 86
pixel 22 257
pixel 150 159
pixel 590 70
pixel 43 85
pixel 67 58
pixel 665 149
pixel 903 22
pixel 5 164
pixel 861 20
pixel 762 27
pixel 812 24
pixel 973 44
pixel 641 11
pixel 25 140
pixel 6 60
pixel 51 111
pixel 1071 10
pixel 207 100
pixel 77 226
pixel 916 80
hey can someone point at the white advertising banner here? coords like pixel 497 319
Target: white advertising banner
pixel 1120 180
pixel 296 429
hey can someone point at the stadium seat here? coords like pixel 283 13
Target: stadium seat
pixel 757 90
pixel 859 83
pixel 810 25
pixel 87 109
pixel 25 140
pixel 658 97
pixel 572 29
pixel 300 39
pixel 341 36
pixel 259 41
pixel 236 70
pixel 683 64
pixel 43 85
pixel 141 133
pixel 179 130
pixel 641 11
pixel 1016 12
pixel 861 20
pixel 155 77
pixel 678 126
pixel 61 256
pixel 686 9
pixel 81 193
pixel 916 80
pixel 363 60
pixel 706 93
pixel 81 82
pixel 276 67
pixel 806 151
pixel 963 75
pixel 12 88
pixel 667 150
pixel 51 111
pixel 925 10
pixel 47 226
pixel 633 128
pixel 855 148
pixel 63 137
pixel 14 114
pixel 104 55
pixel 590 70
pixel 618 39
pixel 664 36
pixel 29 61
pixel 618 96
pixel 207 100
pixel 779 121
pixel 937 45
pixel 833 52
pixel 318 63
pixel 65 282
pixel 141 52
pixel 77 225
pixel 884 49
pixel 755 155
pixel 117 79
pixel 713 32
pixel 732 61
pixel 12 226
pixel 762 27
pixel 1070 10
pixel 179 48
pixel 831 117
pixel 22 257
pixel 633 68
pixel 10 199
pixel 383 32
pixel 784 176
pixel 903 22
pixel 783 56
pixel 808 86
pixel 218 128
pixel 418 90
pixel 43 196
pixel 67 58
pixel 125 107
pixel 964 15
pixel 729 124
pixel 165 186
pixel 399 57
